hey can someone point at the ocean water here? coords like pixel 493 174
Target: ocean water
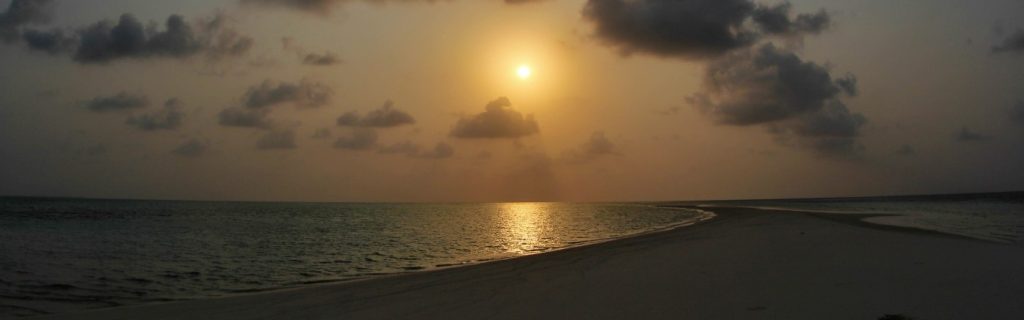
pixel 65 255
pixel 991 216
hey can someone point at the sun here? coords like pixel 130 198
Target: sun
pixel 524 71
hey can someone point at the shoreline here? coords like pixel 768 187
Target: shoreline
pixel 419 294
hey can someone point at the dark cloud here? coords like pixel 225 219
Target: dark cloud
pixel 776 20
pixel 384 117
pixel 764 85
pixel 596 147
pixel 361 139
pixel 53 42
pixel 118 102
pixel 405 147
pixel 303 94
pixel 106 41
pixel 283 139
pixel 128 38
pixel 795 99
pixel 324 6
pixel 968 135
pixel 498 120
pixel 246 118
pixel 170 117
pixel 191 148
pixel 692 28
pixel 326 59
pixel 1012 44
pixel 20 13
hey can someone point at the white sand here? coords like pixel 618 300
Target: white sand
pixel 746 264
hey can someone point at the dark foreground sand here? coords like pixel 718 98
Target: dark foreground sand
pixel 745 264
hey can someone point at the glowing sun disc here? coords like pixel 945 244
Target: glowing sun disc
pixel 524 72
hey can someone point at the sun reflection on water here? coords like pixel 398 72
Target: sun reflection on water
pixel 524 227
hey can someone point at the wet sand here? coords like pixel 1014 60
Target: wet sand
pixel 744 264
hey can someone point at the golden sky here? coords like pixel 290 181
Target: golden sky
pixel 626 100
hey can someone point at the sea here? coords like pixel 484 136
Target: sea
pixel 68 255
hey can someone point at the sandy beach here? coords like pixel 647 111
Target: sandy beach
pixel 744 264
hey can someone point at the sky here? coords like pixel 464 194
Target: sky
pixel 423 101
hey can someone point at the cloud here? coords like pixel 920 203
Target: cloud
pixel 191 148
pixel 106 41
pixel 764 85
pixel 326 59
pixel 303 94
pixel 384 117
pixel 968 135
pixel 20 13
pixel 170 117
pixel 776 20
pixel 324 6
pixel 128 38
pixel 597 146
pixel 498 120
pixel 440 151
pixel 1012 44
pixel 118 102
pixel 361 139
pixel 53 42
pixel 276 140
pixel 693 29
pixel 793 98
pixel 245 118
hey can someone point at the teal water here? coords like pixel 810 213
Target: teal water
pixel 65 255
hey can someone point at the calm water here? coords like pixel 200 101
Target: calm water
pixel 66 255
pixel 994 216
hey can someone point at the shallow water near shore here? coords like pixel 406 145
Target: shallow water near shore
pixel 995 217
pixel 66 255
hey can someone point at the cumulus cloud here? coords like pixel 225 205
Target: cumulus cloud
pixel 360 139
pixel 693 28
pixel 384 117
pixel 596 147
pixel 324 6
pixel 1012 44
pixel 277 139
pixel 764 85
pixel 245 118
pixel 259 100
pixel 777 20
pixel 793 98
pixel 170 117
pixel 303 94
pixel 128 38
pixel 498 120
pixel 967 135
pixel 118 102
pixel 20 13
pixel 191 148
pixel 326 59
